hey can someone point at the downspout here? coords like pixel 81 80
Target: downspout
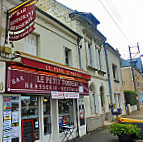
pixel 0 21
pixel 79 53
pixel 109 79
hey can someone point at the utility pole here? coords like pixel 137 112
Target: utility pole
pixel 132 67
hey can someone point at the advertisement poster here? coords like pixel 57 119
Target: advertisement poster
pixel 15 132
pixel 7 134
pixel 7 115
pixel 6 140
pixel 11 119
pixel 6 124
pixel 15 116
pixel 7 103
pixel 81 112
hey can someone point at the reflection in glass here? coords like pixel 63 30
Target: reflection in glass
pixel 47 119
pixel 29 110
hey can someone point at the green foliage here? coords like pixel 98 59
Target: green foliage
pixel 131 97
pixel 121 129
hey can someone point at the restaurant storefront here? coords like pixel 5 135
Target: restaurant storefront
pixel 39 99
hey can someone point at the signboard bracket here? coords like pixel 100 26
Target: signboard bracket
pixel 6 29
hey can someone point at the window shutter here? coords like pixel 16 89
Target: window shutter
pixel 87 54
pixel 102 61
pixel 97 60
pixel 93 56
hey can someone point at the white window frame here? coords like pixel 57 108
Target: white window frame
pixel 69 57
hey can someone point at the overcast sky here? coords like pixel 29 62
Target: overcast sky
pixel 121 21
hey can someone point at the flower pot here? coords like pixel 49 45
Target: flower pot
pixel 124 138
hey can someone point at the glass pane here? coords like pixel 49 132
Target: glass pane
pixel 66 113
pixel 47 118
pixel 29 110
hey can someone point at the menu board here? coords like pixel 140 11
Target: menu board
pixel 28 131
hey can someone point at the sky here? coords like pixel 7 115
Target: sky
pixel 121 22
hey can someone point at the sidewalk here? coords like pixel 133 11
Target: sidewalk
pixel 138 114
pixel 103 135
pixel 99 135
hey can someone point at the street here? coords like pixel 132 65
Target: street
pixel 99 135
pixel 103 135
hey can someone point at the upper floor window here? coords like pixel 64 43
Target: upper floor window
pixel 31 44
pixel 90 55
pixel 68 59
pixel 100 60
pixel 115 72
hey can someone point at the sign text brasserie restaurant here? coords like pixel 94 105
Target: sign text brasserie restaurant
pixel 40 98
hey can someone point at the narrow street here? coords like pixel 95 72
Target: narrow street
pixel 103 135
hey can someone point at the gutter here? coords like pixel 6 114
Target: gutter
pixel 108 72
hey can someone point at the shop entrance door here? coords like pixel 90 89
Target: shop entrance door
pixel 81 117
pixel 47 118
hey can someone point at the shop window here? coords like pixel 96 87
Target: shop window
pixel 47 118
pixel 10 119
pixel 66 112
pixel 31 44
pixel 29 111
pixel 68 59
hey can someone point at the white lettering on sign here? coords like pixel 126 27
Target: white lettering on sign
pixel 17 79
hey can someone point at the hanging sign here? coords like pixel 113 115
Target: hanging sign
pixel 22 18
pixel 21 35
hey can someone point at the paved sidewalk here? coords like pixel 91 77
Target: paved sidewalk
pixel 103 135
pixel 138 114
pixel 99 135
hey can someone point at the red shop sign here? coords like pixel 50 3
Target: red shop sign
pixel 27 80
pixel 52 68
pixel 22 18
pixel 15 37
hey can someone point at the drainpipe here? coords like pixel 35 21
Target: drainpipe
pixel 0 20
pixel 79 53
pixel 109 79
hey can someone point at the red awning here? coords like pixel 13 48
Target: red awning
pixel 55 69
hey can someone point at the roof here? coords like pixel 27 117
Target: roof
pixel 90 18
pixel 57 21
pixel 87 16
pixel 112 49
pixel 136 63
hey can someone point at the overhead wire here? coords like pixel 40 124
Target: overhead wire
pixel 115 22
pixel 114 10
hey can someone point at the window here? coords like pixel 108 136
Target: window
pixel 102 96
pixel 92 100
pixel 90 55
pixel 115 72
pixel 46 113
pixel 66 112
pixel 29 110
pixel 100 60
pixel 68 57
pixel 31 44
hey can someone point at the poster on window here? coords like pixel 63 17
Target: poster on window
pixel 81 112
pixel 10 119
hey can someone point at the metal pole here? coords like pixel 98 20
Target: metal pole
pixel 0 21
pixel 132 69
